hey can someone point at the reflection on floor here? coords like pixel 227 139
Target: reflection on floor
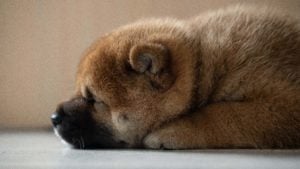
pixel 42 149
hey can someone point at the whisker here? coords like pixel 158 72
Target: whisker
pixel 81 138
pixel 80 143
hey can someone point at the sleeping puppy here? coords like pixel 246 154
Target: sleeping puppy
pixel 226 79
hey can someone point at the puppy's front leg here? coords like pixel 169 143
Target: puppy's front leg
pixel 231 125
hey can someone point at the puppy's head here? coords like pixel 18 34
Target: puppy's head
pixel 129 83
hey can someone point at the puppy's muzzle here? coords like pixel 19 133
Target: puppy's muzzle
pixel 73 122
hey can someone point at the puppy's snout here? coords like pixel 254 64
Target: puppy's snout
pixel 70 112
pixel 56 118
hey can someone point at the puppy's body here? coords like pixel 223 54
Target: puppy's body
pixel 229 78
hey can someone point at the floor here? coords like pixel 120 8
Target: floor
pixel 42 149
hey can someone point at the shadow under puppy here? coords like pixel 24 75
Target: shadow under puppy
pixel 226 79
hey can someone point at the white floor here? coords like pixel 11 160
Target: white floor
pixel 41 149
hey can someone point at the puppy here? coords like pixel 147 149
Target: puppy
pixel 225 79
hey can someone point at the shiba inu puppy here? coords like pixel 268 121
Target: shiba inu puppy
pixel 226 79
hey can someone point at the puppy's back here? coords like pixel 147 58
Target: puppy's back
pixel 248 53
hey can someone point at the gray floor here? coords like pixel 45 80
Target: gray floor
pixel 41 149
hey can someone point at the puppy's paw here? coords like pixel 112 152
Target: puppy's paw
pixel 161 139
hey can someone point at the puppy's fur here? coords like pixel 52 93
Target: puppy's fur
pixel 226 79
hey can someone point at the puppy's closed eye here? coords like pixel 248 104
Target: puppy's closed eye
pixel 90 98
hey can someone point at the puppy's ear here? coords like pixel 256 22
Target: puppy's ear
pixel 148 57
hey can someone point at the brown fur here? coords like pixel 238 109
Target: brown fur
pixel 226 79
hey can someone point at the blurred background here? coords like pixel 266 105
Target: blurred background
pixel 41 43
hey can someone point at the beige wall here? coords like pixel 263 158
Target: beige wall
pixel 41 42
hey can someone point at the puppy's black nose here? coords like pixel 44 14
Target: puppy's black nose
pixel 56 119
